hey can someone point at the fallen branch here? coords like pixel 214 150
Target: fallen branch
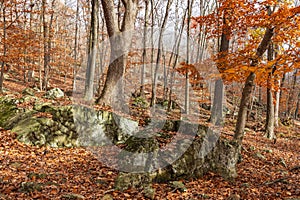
pixel 283 180
pixel 295 168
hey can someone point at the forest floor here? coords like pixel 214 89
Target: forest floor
pixel 267 170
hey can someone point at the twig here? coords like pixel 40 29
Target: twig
pixel 295 168
pixel 275 181
pixel 108 191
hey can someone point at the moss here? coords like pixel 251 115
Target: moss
pixel 27 187
pixel 27 129
pixel 7 111
pixel 140 102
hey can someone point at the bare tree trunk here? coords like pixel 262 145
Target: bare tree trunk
pixel 276 109
pixel 47 41
pixel 40 58
pixel 187 93
pixel 45 31
pixel 277 92
pixel 92 52
pixel 144 49
pixel 103 50
pixel 291 97
pixel 269 132
pixel 119 44
pixel 26 78
pixel 178 41
pixel 153 97
pixel 296 115
pixel 4 49
pixel 217 108
pixel 75 46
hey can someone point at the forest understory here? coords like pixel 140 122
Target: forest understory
pixel 268 170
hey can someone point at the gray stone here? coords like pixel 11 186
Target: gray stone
pixel 54 93
pixel 73 196
pixel 28 91
pixel 178 185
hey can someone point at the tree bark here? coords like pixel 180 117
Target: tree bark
pixel 276 109
pixel 187 89
pixel 269 128
pixel 217 108
pixel 269 132
pixel 176 50
pixel 144 49
pixel 75 46
pixel 297 107
pixel 47 41
pixel 4 49
pixel 119 44
pixel 291 96
pixel 153 97
pixel 92 52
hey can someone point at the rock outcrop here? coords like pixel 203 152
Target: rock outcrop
pixel 196 150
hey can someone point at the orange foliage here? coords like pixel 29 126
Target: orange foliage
pixel 247 21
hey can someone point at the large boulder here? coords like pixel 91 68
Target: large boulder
pixel 206 153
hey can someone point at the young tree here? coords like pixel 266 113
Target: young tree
pixel 3 9
pixel 159 50
pixel 92 51
pixel 217 108
pixel 144 48
pixel 270 117
pixel 47 34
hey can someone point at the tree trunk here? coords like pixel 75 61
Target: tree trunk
pixel 153 97
pixel 246 95
pixel 4 50
pixel 187 89
pixel 92 52
pixel 119 44
pixel 269 132
pixel 144 49
pixel 269 129
pixel 291 96
pixel 47 42
pixel 75 46
pixel 177 45
pixel 297 115
pixel 276 109
pixel 45 31
pixel 217 108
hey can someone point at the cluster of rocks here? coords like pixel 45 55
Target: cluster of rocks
pixel 192 159
pixel 194 150
pixel 45 124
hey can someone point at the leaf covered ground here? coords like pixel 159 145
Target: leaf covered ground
pixel 268 171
